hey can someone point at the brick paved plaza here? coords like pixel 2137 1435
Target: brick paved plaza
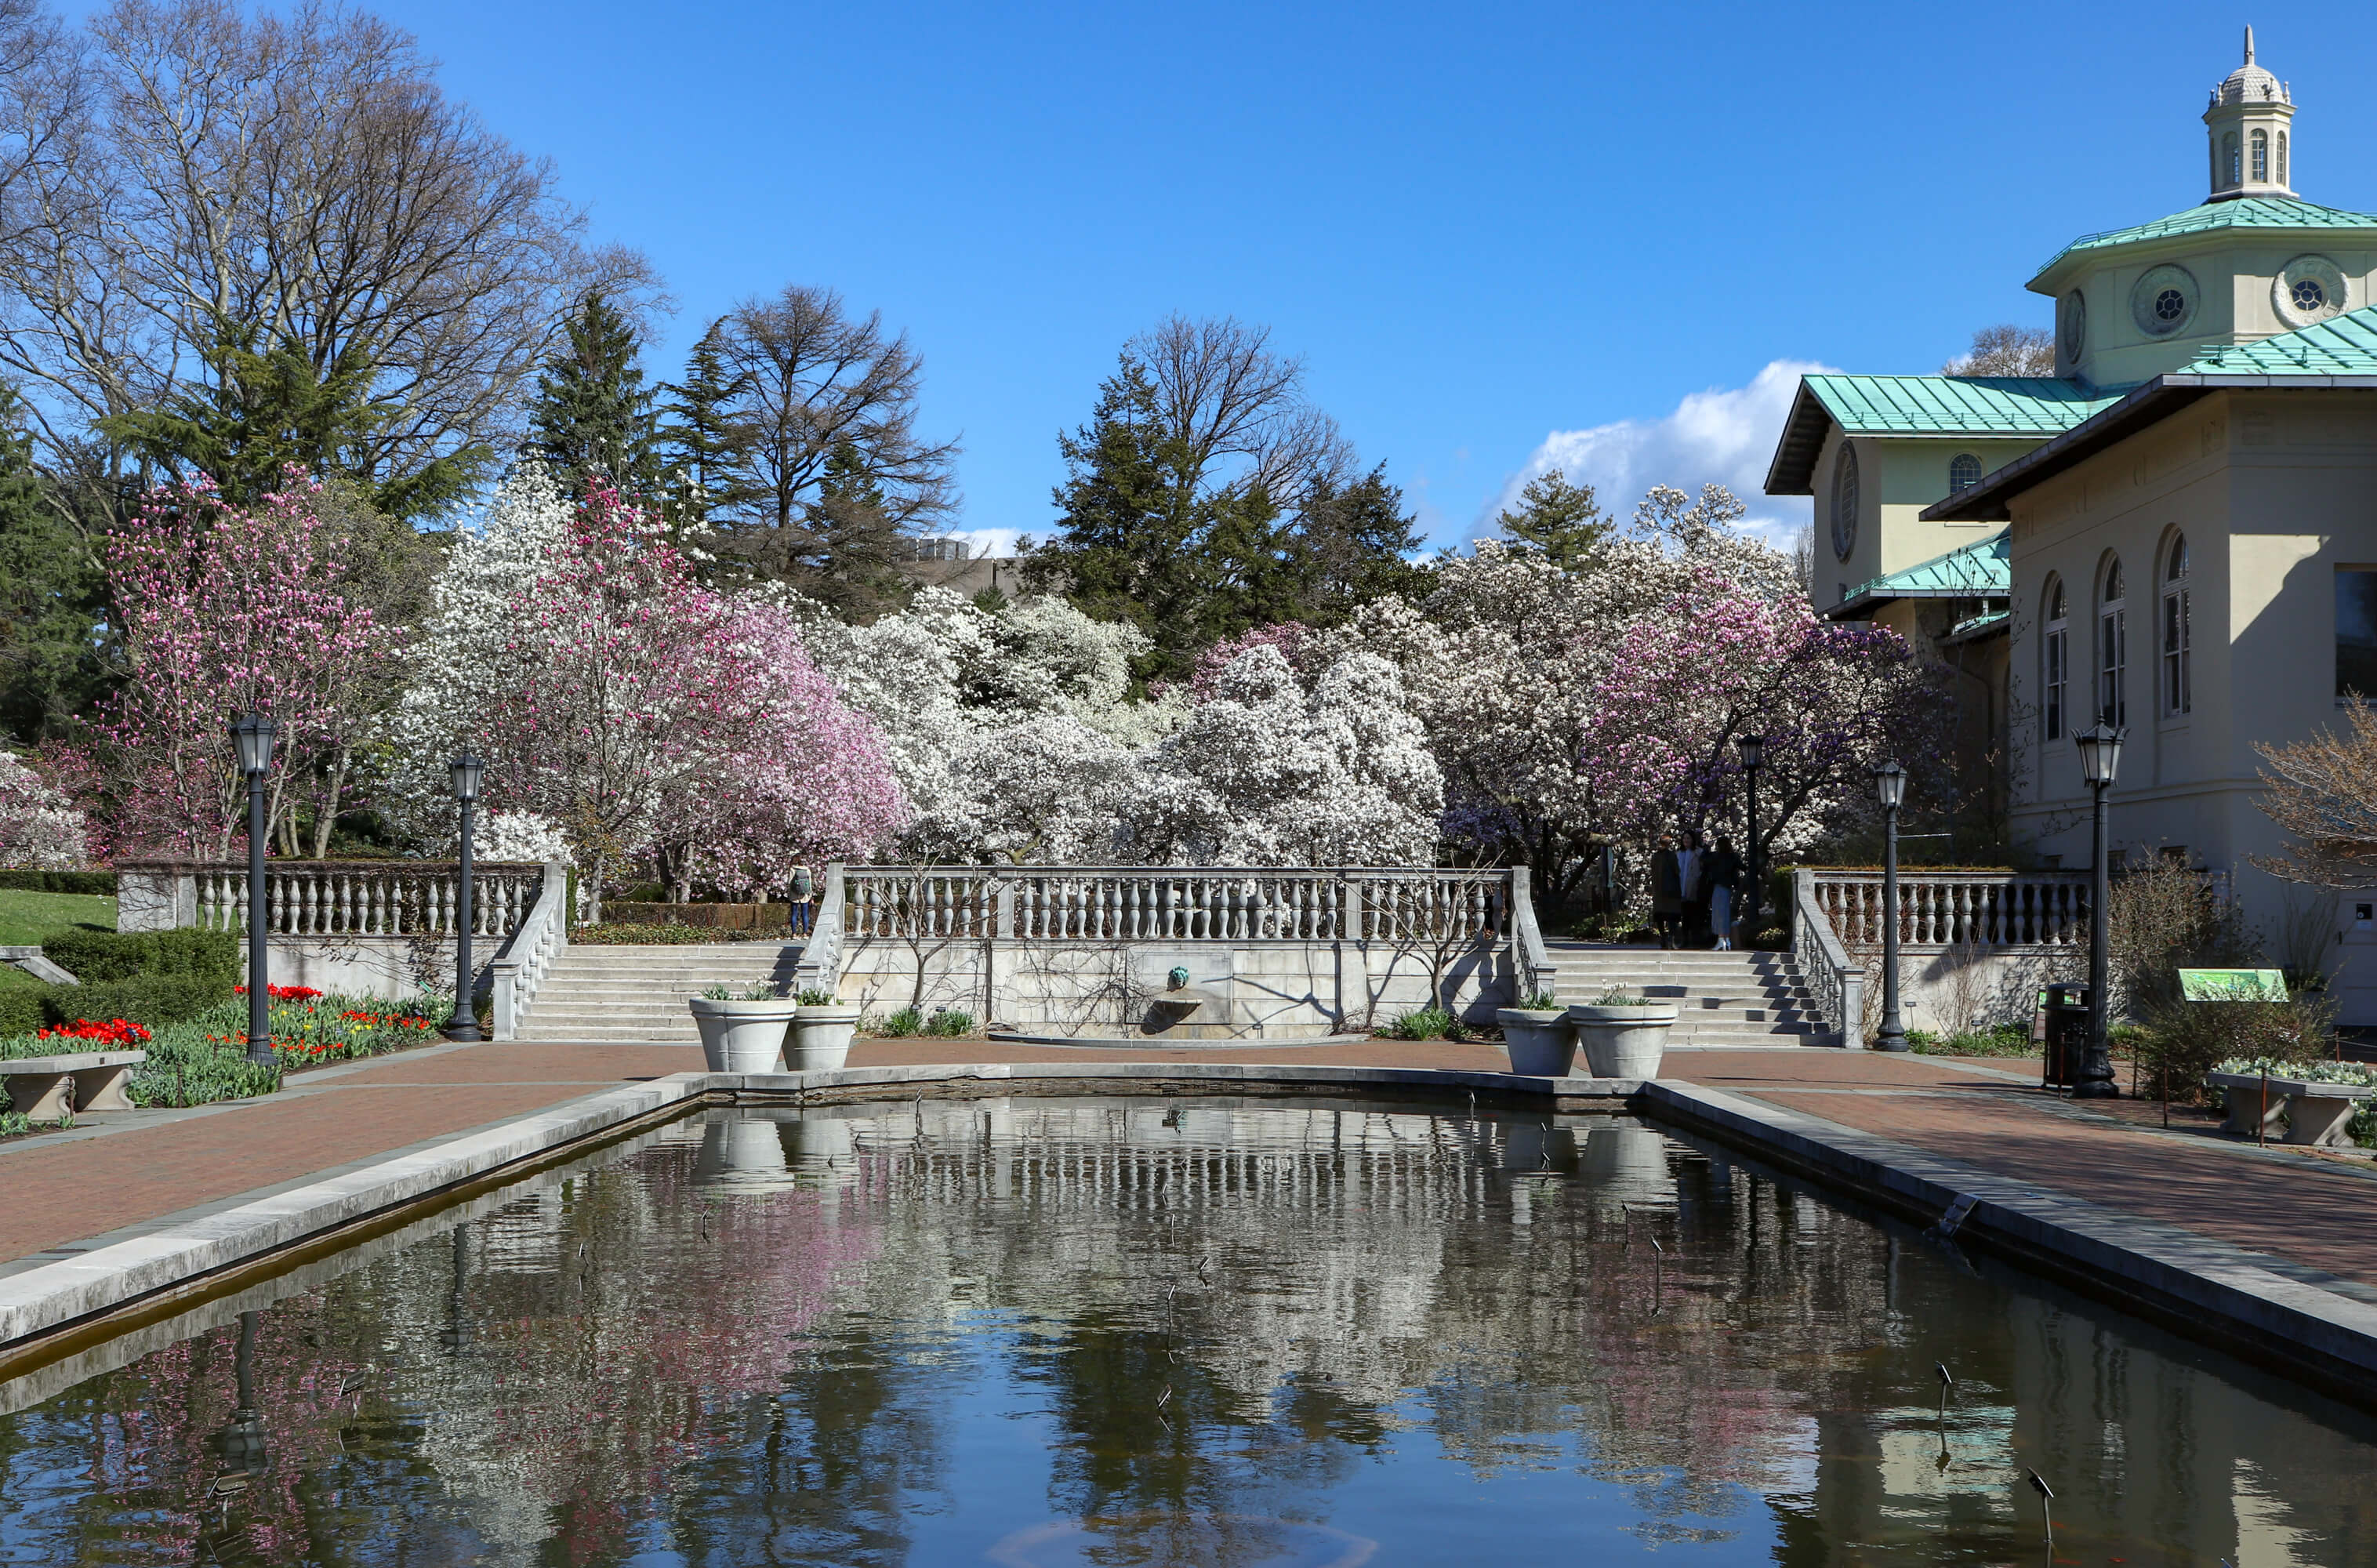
pixel 2308 1209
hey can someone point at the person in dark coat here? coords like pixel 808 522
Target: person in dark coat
pixel 1666 891
pixel 1724 878
pixel 804 910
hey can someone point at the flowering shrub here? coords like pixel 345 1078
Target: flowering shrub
pixel 114 1032
pixel 38 826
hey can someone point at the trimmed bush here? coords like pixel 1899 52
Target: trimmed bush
pixel 94 956
pixel 20 880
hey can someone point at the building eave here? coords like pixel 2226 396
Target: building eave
pixel 1792 471
pixel 2149 403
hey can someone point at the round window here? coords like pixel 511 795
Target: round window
pixel 2164 301
pixel 2309 289
pixel 2072 329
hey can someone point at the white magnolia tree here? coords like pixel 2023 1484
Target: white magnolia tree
pixel 1016 739
pixel 40 828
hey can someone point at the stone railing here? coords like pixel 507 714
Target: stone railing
pixel 1531 965
pixel 519 969
pixel 1168 904
pixel 1943 909
pixel 1835 982
pixel 819 966
pixel 325 898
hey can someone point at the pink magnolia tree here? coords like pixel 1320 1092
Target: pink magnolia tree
pixel 224 610
pixel 1715 664
pixel 649 716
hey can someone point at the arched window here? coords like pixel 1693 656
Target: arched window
pixel 1845 502
pixel 2282 158
pixel 1963 473
pixel 2054 665
pixel 2178 679
pixel 2113 650
pixel 2231 158
pixel 2261 155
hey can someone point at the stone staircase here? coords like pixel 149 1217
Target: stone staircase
pixel 1722 999
pixel 639 993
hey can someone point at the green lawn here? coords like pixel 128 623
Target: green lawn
pixel 26 917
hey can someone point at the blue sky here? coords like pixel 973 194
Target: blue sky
pixel 1488 228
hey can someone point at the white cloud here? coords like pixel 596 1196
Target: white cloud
pixel 1724 435
pixel 987 541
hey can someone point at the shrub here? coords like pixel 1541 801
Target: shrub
pixel 2189 1039
pixel 1423 1023
pixel 94 956
pixel 99 883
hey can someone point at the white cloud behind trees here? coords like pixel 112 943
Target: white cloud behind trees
pixel 1724 435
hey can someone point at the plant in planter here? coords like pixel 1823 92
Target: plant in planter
pixel 822 1026
pixel 1623 1035
pixel 741 1032
pixel 1537 1034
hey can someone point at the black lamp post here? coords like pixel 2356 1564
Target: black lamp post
pixel 1752 748
pixel 1890 783
pixel 464 1025
pixel 252 737
pixel 2100 759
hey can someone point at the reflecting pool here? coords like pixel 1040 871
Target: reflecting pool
pixel 1257 1334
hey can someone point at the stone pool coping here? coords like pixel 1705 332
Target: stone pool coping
pixel 2275 1314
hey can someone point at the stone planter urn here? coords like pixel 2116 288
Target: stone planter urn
pixel 742 1036
pixel 821 1037
pixel 1540 1040
pixel 1622 1041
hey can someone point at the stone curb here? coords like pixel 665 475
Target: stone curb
pixel 2204 1289
pixel 1220 1074
pixel 115 1274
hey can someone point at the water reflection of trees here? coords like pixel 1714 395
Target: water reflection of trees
pixel 749 1340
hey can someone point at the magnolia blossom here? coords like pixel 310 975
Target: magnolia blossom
pixel 224 611
pixel 645 715
pixel 1271 771
pixel 39 827
pixel 518 836
pixel 1573 708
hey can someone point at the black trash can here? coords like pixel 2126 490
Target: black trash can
pixel 2067 1034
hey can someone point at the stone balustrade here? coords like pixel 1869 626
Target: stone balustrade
pixel 1943 909
pixel 1171 903
pixel 326 897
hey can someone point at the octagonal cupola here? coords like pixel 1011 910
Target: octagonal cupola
pixel 2247 121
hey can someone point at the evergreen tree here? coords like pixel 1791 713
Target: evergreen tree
pixel 1562 520
pixel 593 417
pixel 269 409
pixel 704 444
pixel 53 621
pixel 852 548
pixel 1145 537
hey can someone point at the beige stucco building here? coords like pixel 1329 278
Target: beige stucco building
pixel 2188 517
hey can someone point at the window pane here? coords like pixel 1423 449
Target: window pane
pixel 2355 630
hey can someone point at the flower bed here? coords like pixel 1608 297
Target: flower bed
pixel 634 933
pixel 2364 1126
pixel 205 1059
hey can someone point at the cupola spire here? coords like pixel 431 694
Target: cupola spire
pixel 2250 123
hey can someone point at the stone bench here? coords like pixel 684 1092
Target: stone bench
pixel 2317 1113
pixel 37 1085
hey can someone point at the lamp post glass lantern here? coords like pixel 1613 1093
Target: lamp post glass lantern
pixel 1753 749
pixel 1890 786
pixel 467 772
pixel 252 737
pixel 2100 761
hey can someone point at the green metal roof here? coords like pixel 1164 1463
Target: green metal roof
pixel 2250 213
pixel 1957 405
pixel 2341 345
pixel 1923 405
pixel 1982 569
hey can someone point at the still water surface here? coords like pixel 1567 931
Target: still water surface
pixel 1042 1334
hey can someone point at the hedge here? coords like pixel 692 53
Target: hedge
pixel 20 880
pixel 153 1000
pixel 95 956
